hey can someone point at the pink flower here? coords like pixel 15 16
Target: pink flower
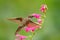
pixel 43 8
pixel 39 20
pixel 29 29
pixel 20 37
pixel 36 15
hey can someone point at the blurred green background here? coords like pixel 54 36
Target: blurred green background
pixel 22 8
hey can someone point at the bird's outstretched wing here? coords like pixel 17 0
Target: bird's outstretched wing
pixel 17 20
pixel 19 29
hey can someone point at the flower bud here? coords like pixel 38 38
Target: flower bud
pixel 43 8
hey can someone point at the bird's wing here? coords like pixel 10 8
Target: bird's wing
pixel 33 24
pixel 16 20
pixel 19 29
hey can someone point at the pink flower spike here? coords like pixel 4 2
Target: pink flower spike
pixel 39 20
pixel 43 8
pixel 36 15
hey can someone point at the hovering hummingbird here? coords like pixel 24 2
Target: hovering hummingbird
pixel 24 22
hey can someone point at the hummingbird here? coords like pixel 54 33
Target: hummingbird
pixel 23 22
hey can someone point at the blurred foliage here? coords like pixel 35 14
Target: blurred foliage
pixel 22 8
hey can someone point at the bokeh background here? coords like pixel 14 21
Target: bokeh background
pixel 22 8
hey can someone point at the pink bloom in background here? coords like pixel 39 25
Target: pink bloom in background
pixel 36 15
pixel 20 37
pixel 43 8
